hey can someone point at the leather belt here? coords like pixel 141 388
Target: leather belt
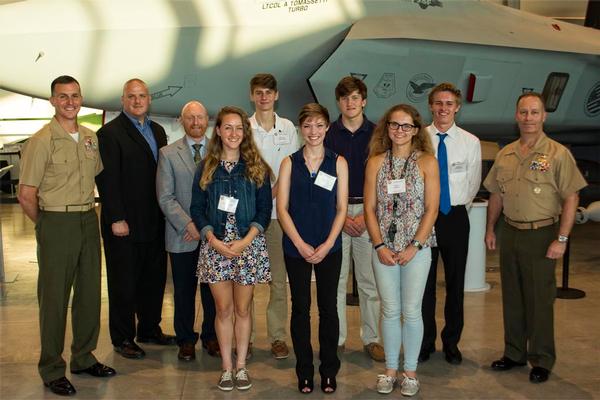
pixel 69 208
pixel 355 200
pixel 541 223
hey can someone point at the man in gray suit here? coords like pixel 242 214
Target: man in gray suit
pixel 177 164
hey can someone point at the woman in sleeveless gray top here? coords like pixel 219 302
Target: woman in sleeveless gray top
pixel 401 202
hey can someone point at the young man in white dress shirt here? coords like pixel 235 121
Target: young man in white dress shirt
pixel 459 157
pixel 276 138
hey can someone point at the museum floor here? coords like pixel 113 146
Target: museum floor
pixel 161 376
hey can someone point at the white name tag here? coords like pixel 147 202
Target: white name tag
pixel 395 186
pixel 325 181
pixel 227 204
pixel 458 167
pixel 281 138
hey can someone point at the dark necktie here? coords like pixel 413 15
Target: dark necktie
pixel 197 155
pixel 445 203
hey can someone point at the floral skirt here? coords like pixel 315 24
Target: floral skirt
pixel 250 268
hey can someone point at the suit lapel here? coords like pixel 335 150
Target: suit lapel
pixel 136 135
pixel 185 154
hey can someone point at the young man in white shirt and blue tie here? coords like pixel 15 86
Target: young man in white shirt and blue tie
pixel 459 158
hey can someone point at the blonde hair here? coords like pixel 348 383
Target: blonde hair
pixel 256 168
pixel 381 142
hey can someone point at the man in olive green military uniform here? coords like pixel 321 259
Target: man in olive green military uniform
pixel 56 191
pixel 534 183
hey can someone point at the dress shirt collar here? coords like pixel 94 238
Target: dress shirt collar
pixel 451 132
pixel 191 142
pixel 276 125
pixel 136 122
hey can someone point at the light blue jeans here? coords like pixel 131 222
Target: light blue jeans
pixel 401 292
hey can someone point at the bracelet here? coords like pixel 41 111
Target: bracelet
pixel 379 246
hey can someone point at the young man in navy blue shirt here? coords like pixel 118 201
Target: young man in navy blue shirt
pixel 349 136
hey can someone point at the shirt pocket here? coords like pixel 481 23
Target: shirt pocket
pixel 62 161
pixel 506 179
pixel 540 184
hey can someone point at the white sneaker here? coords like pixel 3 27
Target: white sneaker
pixel 409 386
pixel 242 379
pixel 385 384
pixel 226 381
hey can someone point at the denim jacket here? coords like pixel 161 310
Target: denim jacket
pixel 253 209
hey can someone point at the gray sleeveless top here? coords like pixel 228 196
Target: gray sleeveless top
pixel 399 214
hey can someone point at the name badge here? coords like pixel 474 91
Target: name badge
pixel 395 186
pixel 458 167
pixel 281 138
pixel 325 181
pixel 227 204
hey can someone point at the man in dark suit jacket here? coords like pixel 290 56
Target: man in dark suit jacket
pixel 132 223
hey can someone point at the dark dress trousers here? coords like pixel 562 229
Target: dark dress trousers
pixel 135 264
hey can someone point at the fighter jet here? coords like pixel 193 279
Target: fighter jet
pixel 208 50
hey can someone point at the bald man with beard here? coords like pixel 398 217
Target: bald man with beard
pixel 177 164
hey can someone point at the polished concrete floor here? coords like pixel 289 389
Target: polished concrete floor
pixel 161 376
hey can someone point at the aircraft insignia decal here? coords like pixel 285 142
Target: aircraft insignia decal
pixel 426 3
pixel 418 87
pixel 592 104
pixel 386 87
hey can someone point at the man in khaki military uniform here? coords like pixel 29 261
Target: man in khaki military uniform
pixel 534 183
pixel 56 191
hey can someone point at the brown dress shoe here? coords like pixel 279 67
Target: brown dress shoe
pixel 280 350
pixel 187 352
pixel 375 351
pixel 130 349
pixel 212 347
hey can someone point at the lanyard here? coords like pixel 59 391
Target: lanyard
pixel 392 228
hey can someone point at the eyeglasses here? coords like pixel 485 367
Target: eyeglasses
pixel 405 127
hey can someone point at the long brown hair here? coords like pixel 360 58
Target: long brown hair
pixel 256 168
pixel 381 142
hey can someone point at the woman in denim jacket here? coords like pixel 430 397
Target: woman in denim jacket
pixel 231 205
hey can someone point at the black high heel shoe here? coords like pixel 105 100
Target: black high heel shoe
pixel 304 384
pixel 328 385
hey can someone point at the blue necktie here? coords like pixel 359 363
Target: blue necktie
pixel 442 154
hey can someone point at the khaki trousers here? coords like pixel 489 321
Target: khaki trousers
pixel 277 309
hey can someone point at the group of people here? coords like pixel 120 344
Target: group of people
pixel 389 196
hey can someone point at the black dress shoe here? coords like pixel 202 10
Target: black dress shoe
pixel 158 338
pixel 61 387
pixel 505 363
pixel 129 349
pixel 538 375
pixel 98 370
pixel 453 355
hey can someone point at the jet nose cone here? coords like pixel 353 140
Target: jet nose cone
pixel 38 41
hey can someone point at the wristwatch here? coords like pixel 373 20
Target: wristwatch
pixel 563 239
pixel 417 244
